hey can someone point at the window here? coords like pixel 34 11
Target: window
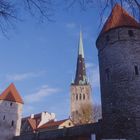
pixel 83 96
pixel 107 71
pixel 130 33
pixel 136 70
pixel 12 123
pixel 69 124
pixel 76 96
pixel 80 96
pixel 107 38
pixel 11 104
pixel 4 117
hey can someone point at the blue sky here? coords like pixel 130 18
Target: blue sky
pixel 40 58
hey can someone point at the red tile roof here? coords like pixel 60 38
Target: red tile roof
pixel 118 18
pixel 32 123
pixel 52 124
pixel 11 94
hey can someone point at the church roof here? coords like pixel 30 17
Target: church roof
pixel 11 94
pixel 118 18
pixel 80 77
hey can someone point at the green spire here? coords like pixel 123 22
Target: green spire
pixel 81 50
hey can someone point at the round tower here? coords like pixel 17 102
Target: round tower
pixel 119 61
pixel 10 113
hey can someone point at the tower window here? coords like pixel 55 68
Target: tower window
pixel 11 104
pixel 107 38
pixel 80 96
pixel 136 70
pixel 12 123
pixel 76 96
pixel 107 71
pixel 130 33
pixel 4 117
pixel 83 96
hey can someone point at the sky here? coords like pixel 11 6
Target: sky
pixel 40 59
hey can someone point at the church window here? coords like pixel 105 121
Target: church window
pixel 69 124
pixel 80 96
pixel 130 33
pixel 107 71
pixel 83 96
pixel 4 117
pixel 136 70
pixel 76 96
pixel 12 123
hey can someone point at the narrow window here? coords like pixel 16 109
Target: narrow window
pixel 130 33
pixel 11 104
pixel 76 96
pixel 12 123
pixel 136 70
pixel 107 38
pixel 107 71
pixel 83 96
pixel 4 117
pixel 80 96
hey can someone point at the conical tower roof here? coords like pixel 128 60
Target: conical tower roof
pixel 11 94
pixel 118 18
pixel 80 77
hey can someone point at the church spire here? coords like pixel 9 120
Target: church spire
pixel 80 77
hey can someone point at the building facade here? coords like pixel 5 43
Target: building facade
pixel 80 89
pixel 10 113
pixel 32 123
pixel 119 61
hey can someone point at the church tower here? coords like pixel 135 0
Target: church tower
pixel 80 88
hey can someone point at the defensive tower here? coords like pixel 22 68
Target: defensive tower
pixel 11 105
pixel 119 60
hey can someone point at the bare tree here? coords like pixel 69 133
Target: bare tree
pixel 97 112
pixel 105 6
pixel 88 113
pixel 85 114
pixel 43 9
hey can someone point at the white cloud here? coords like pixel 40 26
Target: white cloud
pixel 71 25
pixel 23 76
pixel 41 93
pixel 93 74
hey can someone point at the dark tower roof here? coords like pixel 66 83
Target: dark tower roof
pixel 80 77
pixel 118 18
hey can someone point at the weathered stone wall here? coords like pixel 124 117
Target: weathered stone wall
pixel 119 62
pixel 82 132
pixel 10 119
